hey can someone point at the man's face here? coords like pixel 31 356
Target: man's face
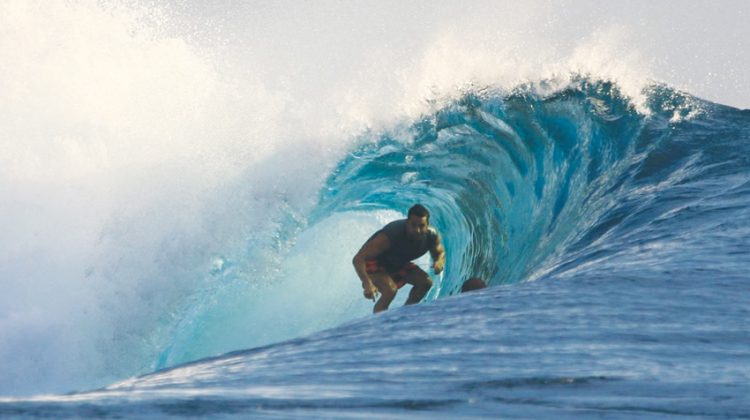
pixel 416 227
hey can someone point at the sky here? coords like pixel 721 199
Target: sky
pixel 698 46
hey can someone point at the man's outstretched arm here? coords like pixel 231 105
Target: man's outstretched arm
pixel 369 250
pixel 438 256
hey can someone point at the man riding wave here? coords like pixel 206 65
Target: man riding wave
pixel 384 263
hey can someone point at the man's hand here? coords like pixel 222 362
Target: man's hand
pixel 370 291
pixel 369 251
pixel 437 267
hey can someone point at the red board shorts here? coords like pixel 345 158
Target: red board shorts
pixel 399 277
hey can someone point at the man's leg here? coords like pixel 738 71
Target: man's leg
pixel 421 284
pixel 387 289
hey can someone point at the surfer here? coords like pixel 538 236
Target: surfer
pixel 384 263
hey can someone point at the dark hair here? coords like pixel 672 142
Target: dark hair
pixel 473 283
pixel 419 211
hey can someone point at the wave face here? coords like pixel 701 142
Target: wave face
pixel 614 235
pixel 515 181
pixel 521 184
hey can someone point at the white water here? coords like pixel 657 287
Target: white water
pixel 141 146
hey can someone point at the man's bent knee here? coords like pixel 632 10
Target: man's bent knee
pixel 421 279
pixel 385 285
pixel 388 291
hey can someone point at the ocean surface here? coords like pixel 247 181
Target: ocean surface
pixel 612 230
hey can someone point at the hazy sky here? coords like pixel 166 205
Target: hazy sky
pixel 699 46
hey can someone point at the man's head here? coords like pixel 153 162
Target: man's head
pixel 417 222
pixel 474 283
